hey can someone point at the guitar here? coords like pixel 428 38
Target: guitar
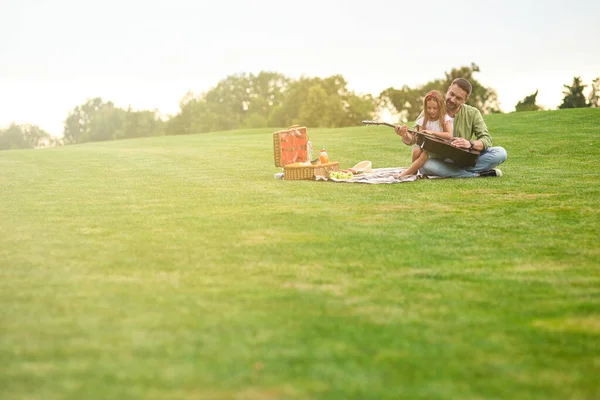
pixel 443 147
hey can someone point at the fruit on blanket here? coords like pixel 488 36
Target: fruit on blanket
pixel 341 175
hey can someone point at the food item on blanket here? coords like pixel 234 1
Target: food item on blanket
pixel 344 174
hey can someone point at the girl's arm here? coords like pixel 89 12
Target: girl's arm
pixel 447 134
pixel 449 127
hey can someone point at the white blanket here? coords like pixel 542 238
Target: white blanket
pixel 383 175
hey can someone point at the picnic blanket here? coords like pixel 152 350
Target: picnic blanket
pixel 384 175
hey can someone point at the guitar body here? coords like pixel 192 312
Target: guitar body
pixel 461 157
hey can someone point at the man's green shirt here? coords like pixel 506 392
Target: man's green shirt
pixel 468 122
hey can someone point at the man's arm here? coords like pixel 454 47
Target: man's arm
pixel 479 130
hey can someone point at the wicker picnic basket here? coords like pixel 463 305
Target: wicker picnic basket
pixel 295 172
pixel 290 148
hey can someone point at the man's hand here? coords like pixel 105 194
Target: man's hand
pixel 461 143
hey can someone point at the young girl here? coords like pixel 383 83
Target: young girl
pixel 434 111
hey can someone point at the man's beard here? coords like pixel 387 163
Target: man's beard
pixel 451 106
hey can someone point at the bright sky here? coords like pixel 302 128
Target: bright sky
pixel 54 55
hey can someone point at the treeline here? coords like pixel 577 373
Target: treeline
pixel 26 137
pixel 573 97
pixel 97 121
pixel 269 99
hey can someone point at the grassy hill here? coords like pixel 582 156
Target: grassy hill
pixel 178 268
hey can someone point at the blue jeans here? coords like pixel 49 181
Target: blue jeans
pixel 488 159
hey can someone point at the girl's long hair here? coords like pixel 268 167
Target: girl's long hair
pixel 439 99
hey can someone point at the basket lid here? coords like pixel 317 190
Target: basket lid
pixel 290 146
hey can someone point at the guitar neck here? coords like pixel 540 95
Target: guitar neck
pixel 386 124
pixel 367 122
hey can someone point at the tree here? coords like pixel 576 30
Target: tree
pixel 254 120
pixel 322 102
pixel 574 97
pixel 12 138
pixel 229 100
pixel 528 103
pixel 142 123
pixel 106 123
pixel 408 102
pixel 483 98
pixel 241 100
pixel 319 109
pixel 359 108
pixel 78 123
pixel 195 116
pixel 97 120
pixel 594 97
pixel 25 137
pixel 267 89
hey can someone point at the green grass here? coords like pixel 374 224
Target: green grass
pixel 178 268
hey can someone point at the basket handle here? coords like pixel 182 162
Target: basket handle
pixel 294 130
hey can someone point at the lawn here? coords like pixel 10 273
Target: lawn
pixel 179 268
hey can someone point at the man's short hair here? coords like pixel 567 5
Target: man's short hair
pixel 463 84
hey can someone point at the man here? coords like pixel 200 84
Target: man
pixel 469 132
